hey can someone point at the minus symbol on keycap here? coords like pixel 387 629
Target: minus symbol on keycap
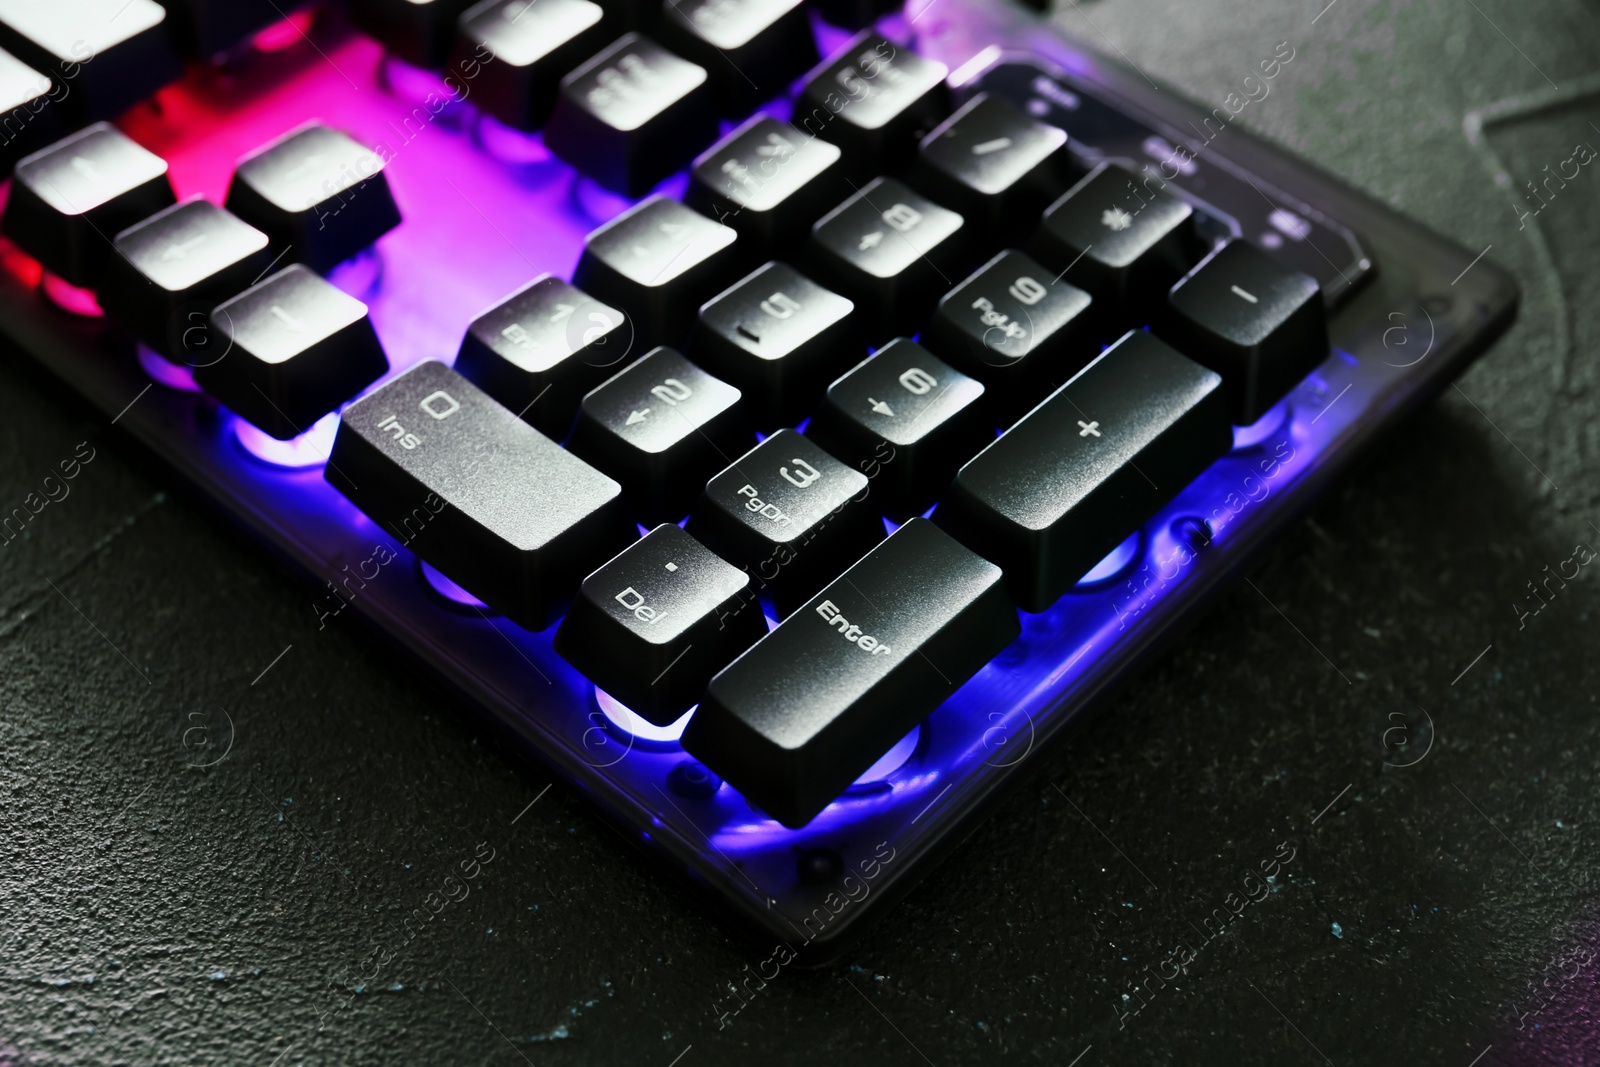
pixel 1241 293
pixel 999 144
pixel 746 331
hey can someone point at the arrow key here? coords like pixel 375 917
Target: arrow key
pixel 289 350
pixel 907 420
pixel 661 427
pixel 172 269
pixel 68 198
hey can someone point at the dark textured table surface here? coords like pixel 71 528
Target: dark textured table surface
pixel 151 912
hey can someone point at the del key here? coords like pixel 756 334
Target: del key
pixel 522 519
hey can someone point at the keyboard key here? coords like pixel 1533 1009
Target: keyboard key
pixel 173 269
pixel 890 250
pixel 316 191
pixel 69 200
pixel 28 118
pixel 908 420
pixel 780 337
pixel 541 348
pixel 875 101
pixel 632 115
pixel 653 625
pixel 210 27
pixel 1015 329
pixel 534 44
pixel 1123 243
pixel 995 165
pixel 661 427
pixel 289 350
pixel 1257 323
pixel 792 722
pixel 790 512
pixel 419 32
pixel 768 182
pixel 659 261
pixel 1089 466
pixel 110 54
pixel 752 49
pixel 495 505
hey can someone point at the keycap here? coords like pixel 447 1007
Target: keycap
pixel 769 182
pixel 797 718
pixel 751 49
pixel 875 101
pixel 907 419
pixel 210 27
pixel 1088 466
pixel 288 350
pixel 1257 323
pixel 661 427
pixel 659 261
pixel 892 251
pixel 28 117
pixel 316 191
pixel 109 54
pixel 791 513
pixel 995 165
pixel 780 338
pixel 1015 328
pixel 420 32
pixel 1123 243
pixel 534 43
pixel 653 625
pixel 69 200
pixel 173 269
pixel 495 505
pixel 541 348
pixel 632 115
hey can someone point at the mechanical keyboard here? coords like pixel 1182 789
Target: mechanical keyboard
pixel 783 419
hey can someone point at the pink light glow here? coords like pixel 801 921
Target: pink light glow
pixel 68 297
pixel 286 34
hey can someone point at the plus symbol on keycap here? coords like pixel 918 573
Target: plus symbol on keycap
pixel 1087 429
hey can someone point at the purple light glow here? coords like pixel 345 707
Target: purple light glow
pixel 631 725
pixel 310 449
pixel 165 372
pixel 448 589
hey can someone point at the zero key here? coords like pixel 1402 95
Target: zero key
pixel 499 508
